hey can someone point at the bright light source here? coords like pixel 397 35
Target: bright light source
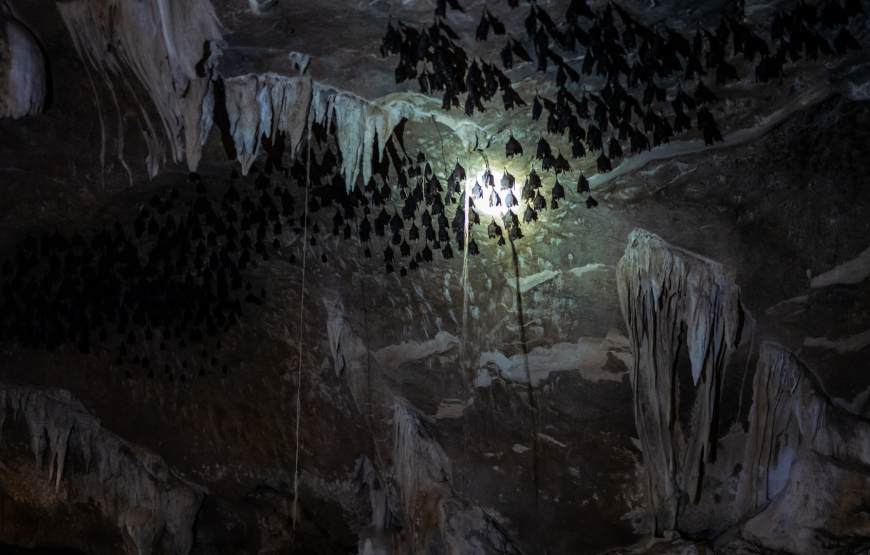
pixel 481 206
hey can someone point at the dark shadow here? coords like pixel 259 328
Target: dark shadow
pixel 221 118
pixel 6 549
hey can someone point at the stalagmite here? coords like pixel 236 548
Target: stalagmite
pixel 442 521
pixel 22 70
pixel 661 290
pixel 437 515
pixel 806 461
pixel 133 487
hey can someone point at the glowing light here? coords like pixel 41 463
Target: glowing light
pixel 481 206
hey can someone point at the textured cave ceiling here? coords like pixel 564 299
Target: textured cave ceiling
pixel 259 294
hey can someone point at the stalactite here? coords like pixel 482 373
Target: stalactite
pixel 661 289
pixel 134 487
pixel 158 41
pixel 22 71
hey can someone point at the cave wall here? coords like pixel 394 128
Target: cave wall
pixel 679 368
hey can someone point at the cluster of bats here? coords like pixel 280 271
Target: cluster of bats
pixel 618 47
pixel 451 73
pixel 413 214
pixel 172 278
pixel 174 274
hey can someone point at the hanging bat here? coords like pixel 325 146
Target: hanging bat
pixel 531 23
pixel 544 150
pixel 540 202
pixel 537 108
pixel 603 163
pixel 703 95
pixel 614 149
pixel 558 191
pixel 591 202
pixel 507 181
pixel 561 165
pixel 493 230
pixel 447 252
pixel 529 215
pixel 482 27
pixel 513 147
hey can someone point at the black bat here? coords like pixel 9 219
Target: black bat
pixel 603 163
pixel 531 23
pixel 537 109
pixel 513 147
pixel 561 165
pixel 529 215
pixel 540 202
pixel 704 95
pixel 519 51
pixel 482 28
pixel 591 202
pixel 497 26
pixel 579 8
pixel 544 150
pixel 507 57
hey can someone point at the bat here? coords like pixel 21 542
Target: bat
pixel 507 181
pixel 558 191
pixel 513 147
pixel 537 109
pixel 579 8
pixel 507 58
pixel 591 202
pixel 531 23
pixel 482 27
pixel 447 252
pixel 561 165
pixel 528 216
pixel 614 149
pixel 488 180
pixel 472 247
pixel 603 163
pixel 497 26
pixel 493 230
pixel 704 95
pixel 544 150
pixel 540 202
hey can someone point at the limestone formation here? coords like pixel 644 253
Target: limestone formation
pixel 22 70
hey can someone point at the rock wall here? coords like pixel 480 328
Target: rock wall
pixel 135 489
pixel 22 70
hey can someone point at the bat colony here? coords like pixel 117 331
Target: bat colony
pixel 176 271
